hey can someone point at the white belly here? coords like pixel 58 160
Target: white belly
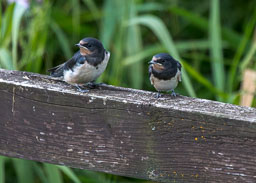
pixel 165 85
pixel 85 73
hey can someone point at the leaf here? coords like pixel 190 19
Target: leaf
pixel 6 26
pixel 75 19
pixel 109 22
pixel 53 173
pixel 160 30
pixel 144 53
pixel 39 172
pixel 2 169
pixel 150 6
pixel 23 170
pixel 134 38
pixel 19 10
pixel 93 8
pixel 63 40
pixel 216 46
pixel 5 59
pixel 249 56
pixel 69 173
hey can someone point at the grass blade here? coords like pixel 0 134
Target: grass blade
pixel 24 171
pixel 63 40
pixel 216 46
pixel 6 26
pixel 146 52
pixel 113 35
pixel 150 6
pixel 76 19
pixel 2 169
pixel 5 59
pixel 93 8
pixel 248 57
pixel 19 10
pixel 134 38
pixel 109 22
pixel 53 173
pixel 160 30
pixel 39 172
pixel 69 173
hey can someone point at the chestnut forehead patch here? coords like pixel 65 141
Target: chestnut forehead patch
pixel 156 58
pixel 82 42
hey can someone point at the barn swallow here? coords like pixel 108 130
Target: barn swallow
pixel 85 66
pixel 164 73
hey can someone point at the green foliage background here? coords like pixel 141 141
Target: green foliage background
pixel 213 39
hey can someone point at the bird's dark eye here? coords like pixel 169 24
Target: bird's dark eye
pixel 88 46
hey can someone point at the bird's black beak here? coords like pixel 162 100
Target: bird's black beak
pixel 78 45
pixel 152 62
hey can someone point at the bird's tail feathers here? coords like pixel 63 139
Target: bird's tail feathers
pixel 56 71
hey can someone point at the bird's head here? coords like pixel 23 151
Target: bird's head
pixel 90 46
pixel 162 61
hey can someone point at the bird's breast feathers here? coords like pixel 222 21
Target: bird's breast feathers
pixel 84 73
pixel 166 85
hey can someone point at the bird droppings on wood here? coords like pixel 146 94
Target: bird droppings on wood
pixel 152 175
pixel 42 140
pixel 144 158
pixel 104 101
pixel 13 99
pixel 90 131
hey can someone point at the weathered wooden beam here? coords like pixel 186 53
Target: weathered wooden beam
pixel 126 132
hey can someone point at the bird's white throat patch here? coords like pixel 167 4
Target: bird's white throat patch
pixel 84 73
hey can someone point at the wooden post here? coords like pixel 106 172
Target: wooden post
pixel 126 132
pixel 248 87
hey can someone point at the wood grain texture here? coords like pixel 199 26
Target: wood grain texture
pixel 126 132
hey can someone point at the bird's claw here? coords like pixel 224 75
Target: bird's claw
pixel 81 90
pixel 158 95
pixel 173 94
pixel 93 85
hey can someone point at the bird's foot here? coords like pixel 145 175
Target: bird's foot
pixel 80 89
pixel 158 95
pixel 173 94
pixel 93 85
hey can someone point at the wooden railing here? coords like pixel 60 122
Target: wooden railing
pixel 126 132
